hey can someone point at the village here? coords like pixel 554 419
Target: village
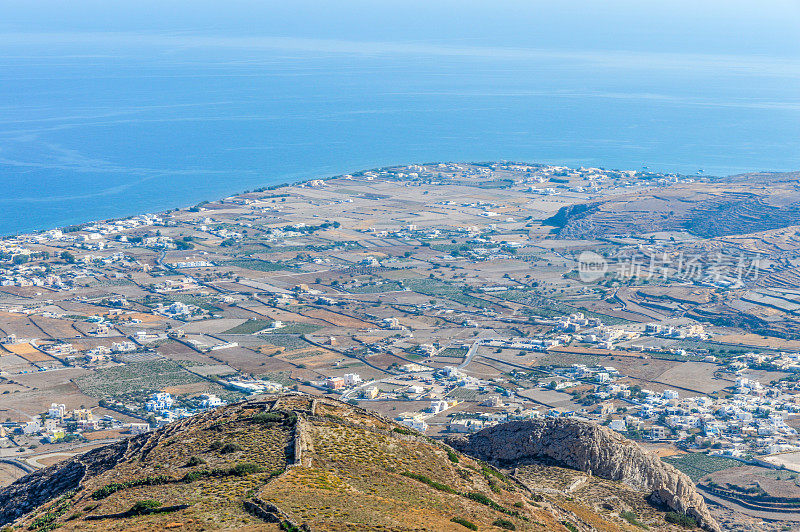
pixel 441 296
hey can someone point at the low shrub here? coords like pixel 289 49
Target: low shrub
pixel 463 522
pixel 229 448
pixel 632 518
pixel 246 468
pixel 239 470
pixel 195 461
pixel 144 507
pixel 430 482
pixel 114 487
pixel 267 417
pixel 569 526
pixel 686 521
pixel 489 471
pixel 483 499
pixel 504 524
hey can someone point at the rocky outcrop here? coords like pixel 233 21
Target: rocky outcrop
pixel 700 211
pixel 591 448
pixel 31 491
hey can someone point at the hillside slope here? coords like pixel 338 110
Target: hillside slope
pixel 592 448
pixel 703 210
pixel 297 462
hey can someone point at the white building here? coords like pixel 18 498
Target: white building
pixel 351 379
pixel 416 424
pixel 123 347
pixel 159 402
pixel 438 405
pixel 138 428
pixel 32 427
pixel 670 395
pixel 210 401
pixel 618 425
pixel 56 411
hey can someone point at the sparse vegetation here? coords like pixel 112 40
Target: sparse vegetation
pixel 144 507
pixel 425 480
pixel 47 521
pixel 114 487
pixel 632 518
pixel 195 461
pixel 686 521
pixel 138 377
pixel 504 524
pixel 483 499
pixel 229 448
pixel 463 522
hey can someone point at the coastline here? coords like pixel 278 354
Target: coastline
pixel 289 183
pixel 64 227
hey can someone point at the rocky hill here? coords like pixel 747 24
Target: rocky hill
pixel 703 210
pixel 298 462
pixel 591 448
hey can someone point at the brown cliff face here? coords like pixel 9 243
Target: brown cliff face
pixel 592 448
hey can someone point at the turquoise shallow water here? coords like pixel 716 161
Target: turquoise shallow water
pixel 108 111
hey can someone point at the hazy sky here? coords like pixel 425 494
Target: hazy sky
pixel 203 98
pixel 699 26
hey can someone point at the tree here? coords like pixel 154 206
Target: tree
pixel 20 259
pixel 68 257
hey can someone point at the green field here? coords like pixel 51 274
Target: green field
pixel 295 328
pixel 375 289
pixel 258 265
pixel 464 394
pixel 254 325
pixel 249 327
pixel 454 352
pixel 437 288
pixel 288 341
pixel 137 377
pixel 698 465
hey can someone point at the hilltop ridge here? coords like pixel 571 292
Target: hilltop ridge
pixel 291 462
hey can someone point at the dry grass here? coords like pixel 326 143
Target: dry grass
pixel 358 473
pixel 28 352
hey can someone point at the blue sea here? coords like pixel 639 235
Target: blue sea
pixel 109 109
